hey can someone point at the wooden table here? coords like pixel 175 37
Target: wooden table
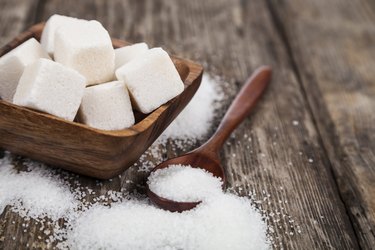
pixel 312 147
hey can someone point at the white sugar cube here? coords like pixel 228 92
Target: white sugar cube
pixel 52 88
pixel 107 106
pixel 87 48
pixel 13 63
pixel 53 23
pixel 126 54
pixel 152 79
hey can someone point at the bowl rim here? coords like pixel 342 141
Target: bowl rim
pixel 195 71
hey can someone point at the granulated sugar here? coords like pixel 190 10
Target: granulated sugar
pixel 184 183
pixel 196 119
pixel 226 222
pixel 221 221
pixel 35 194
pixel 107 219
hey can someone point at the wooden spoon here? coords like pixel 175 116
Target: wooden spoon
pixel 207 155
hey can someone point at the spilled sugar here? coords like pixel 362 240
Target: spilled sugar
pixel 110 220
pixel 227 222
pixel 184 183
pixel 125 223
pixel 35 194
pixel 196 119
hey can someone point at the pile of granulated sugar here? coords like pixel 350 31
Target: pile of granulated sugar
pixel 184 183
pixel 220 221
pixel 196 119
pixel 226 222
pixel 35 193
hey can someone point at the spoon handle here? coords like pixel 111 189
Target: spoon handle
pixel 241 106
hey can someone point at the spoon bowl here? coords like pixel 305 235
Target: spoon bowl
pixel 207 155
pixel 195 159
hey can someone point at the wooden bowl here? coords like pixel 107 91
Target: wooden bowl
pixel 82 149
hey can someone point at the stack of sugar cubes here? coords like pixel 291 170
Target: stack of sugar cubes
pixel 87 79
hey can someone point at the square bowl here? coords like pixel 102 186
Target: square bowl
pixel 79 148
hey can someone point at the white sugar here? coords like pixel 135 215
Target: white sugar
pixel 184 183
pixel 152 79
pixel 196 119
pixel 35 194
pixel 228 222
pixel 112 221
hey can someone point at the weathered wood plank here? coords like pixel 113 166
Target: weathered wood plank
pixel 267 154
pixel 333 45
pixel 15 16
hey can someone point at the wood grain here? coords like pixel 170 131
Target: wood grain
pixel 236 37
pixel 280 153
pixel 15 17
pixel 333 46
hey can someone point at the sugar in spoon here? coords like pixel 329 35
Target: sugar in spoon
pixel 207 155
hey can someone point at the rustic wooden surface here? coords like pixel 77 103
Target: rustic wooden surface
pixel 320 173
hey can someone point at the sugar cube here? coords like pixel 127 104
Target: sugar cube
pixel 53 23
pixel 127 53
pixel 152 79
pixel 107 106
pixel 13 63
pixel 50 87
pixel 87 48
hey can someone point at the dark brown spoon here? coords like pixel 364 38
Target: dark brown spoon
pixel 207 155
